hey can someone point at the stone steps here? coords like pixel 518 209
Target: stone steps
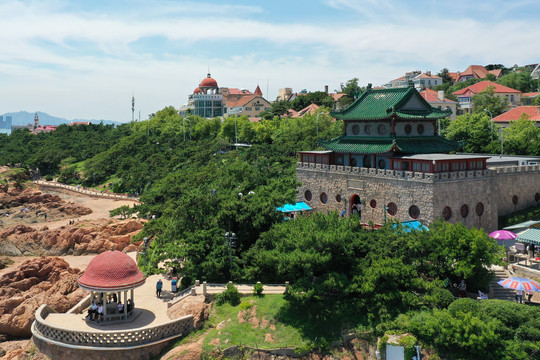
pixel 499 292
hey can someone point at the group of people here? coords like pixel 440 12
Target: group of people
pixel 97 310
pixel 519 296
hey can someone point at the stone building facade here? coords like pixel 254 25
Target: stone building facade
pixel 475 197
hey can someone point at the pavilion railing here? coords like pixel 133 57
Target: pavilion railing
pixel 108 339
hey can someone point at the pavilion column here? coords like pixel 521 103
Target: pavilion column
pixel 125 304
pixel 132 294
pixel 104 302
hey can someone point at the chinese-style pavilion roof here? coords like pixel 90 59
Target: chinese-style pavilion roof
pixel 377 104
pixel 378 145
pixel 111 270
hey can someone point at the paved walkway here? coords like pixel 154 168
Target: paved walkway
pixel 153 310
pixel 89 192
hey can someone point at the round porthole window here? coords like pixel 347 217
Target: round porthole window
pixel 479 209
pixel 515 199
pixel 324 198
pixel 356 129
pixel 420 129
pixel 373 203
pixel 391 208
pixel 367 129
pixel 307 195
pixel 414 212
pixel 354 162
pixel 408 129
pixel 338 198
pixel 382 164
pixel 381 129
pixel 464 210
pixel 447 213
pixel 367 161
pixel 537 197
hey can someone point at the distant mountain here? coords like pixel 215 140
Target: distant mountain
pixel 23 118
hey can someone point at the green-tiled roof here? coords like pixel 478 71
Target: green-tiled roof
pixel 531 236
pixel 382 103
pixel 378 145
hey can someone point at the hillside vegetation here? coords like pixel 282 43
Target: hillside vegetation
pixel 200 187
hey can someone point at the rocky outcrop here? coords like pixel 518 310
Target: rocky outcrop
pixel 30 204
pixel 38 281
pixel 85 237
pixel 191 305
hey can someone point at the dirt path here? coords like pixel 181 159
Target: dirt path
pixel 100 207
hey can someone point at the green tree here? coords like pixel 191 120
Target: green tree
pixel 474 130
pixel 446 78
pixel 520 80
pixel 522 137
pixel 487 99
pixel 352 91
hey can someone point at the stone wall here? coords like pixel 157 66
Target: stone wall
pixel 475 198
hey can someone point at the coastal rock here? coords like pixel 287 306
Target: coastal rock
pixel 29 204
pixel 85 237
pixel 38 281
pixel 191 305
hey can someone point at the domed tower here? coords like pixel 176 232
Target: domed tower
pixel 207 99
pixel 209 85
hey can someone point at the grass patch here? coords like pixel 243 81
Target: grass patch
pixel 256 326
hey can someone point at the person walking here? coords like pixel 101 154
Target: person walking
pixel 159 286
pixel 462 289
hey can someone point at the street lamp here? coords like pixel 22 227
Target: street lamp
pixel 491 117
pixel 231 241
pixel 502 141
pixel 184 127
pixel 319 114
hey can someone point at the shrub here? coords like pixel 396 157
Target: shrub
pixel 230 295
pixel 258 289
pixel 464 306
pixel 49 177
pixel 244 305
pixel 440 298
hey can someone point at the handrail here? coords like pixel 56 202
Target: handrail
pixel 108 339
pixel 84 191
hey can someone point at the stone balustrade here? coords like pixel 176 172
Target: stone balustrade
pixel 87 192
pixel 419 176
pixel 126 339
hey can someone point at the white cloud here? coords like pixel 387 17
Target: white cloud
pixel 86 64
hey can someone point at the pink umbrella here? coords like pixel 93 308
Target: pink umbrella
pixel 503 235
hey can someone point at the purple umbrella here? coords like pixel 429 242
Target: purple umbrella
pixel 503 235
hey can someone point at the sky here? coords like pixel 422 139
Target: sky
pixel 86 59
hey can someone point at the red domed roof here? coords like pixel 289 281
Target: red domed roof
pixel 208 82
pixel 111 270
pixel 197 90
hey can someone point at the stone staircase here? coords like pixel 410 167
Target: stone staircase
pixel 499 292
